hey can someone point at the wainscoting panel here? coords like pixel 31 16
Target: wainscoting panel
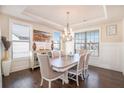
pixel 110 56
pixel 20 65
pixel 0 60
pixel 122 56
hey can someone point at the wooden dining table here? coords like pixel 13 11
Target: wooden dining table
pixel 64 63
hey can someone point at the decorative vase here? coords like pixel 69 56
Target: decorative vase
pixel 6 55
pixel 52 45
pixel 6 66
pixel 34 46
pixel 6 62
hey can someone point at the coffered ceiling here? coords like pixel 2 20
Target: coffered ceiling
pixel 55 15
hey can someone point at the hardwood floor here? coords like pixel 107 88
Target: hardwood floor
pixel 98 78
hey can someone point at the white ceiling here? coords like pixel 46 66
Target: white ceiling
pixel 58 15
pixel 55 15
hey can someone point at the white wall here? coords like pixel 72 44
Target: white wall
pixel 111 54
pixel 6 29
pixel 123 59
pixel 0 62
pixel 111 51
pixel 123 50
pixel 21 64
pixel 109 57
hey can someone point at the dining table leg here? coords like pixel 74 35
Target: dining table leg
pixel 66 77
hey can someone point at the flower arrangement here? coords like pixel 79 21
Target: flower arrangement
pixel 6 44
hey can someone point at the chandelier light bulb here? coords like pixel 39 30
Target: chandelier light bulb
pixel 67 31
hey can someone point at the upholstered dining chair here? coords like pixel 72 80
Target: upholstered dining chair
pixel 86 64
pixel 82 51
pixel 56 53
pixel 77 70
pixel 46 70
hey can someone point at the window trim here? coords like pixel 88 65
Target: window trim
pixel 20 57
pixel 14 21
pixel 89 30
pixel 59 42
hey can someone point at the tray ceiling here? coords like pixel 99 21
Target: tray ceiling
pixel 55 15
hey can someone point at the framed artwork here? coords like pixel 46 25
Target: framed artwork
pixel 41 36
pixel 111 29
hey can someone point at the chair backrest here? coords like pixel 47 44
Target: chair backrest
pixel 83 51
pixel 87 59
pixel 56 54
pixel 62 53
pixel 45 67
pixel 80 65
pixel 49 54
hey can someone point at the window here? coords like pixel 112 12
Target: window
pixel 57 40
pixel 87 40
pixel 20 41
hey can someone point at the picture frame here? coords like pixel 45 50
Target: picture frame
pixel 111 29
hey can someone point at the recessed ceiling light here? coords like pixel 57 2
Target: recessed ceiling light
pixel 84 20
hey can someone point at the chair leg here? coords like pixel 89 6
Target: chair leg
pixel 63 80
pixel 49 84
pixel 66 77
pixel 87 73
pixel 77 80
pixel 82 76
pixel 41 82
pixel 84 73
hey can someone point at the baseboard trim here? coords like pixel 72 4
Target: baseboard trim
pixel 19 68
pixel 105 67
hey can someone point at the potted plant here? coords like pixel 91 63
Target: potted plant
pixel 6 62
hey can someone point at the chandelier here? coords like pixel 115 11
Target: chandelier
pixel 67 35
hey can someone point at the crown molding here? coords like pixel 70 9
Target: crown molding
pixel 105 17
pixel 105 11
pixel 22 13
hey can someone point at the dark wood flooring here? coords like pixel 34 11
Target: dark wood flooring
pixel 98 78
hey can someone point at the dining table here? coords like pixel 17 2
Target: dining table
pixel 64 63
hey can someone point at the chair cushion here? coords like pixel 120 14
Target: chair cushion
pixel 73 70
pixel 53 74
